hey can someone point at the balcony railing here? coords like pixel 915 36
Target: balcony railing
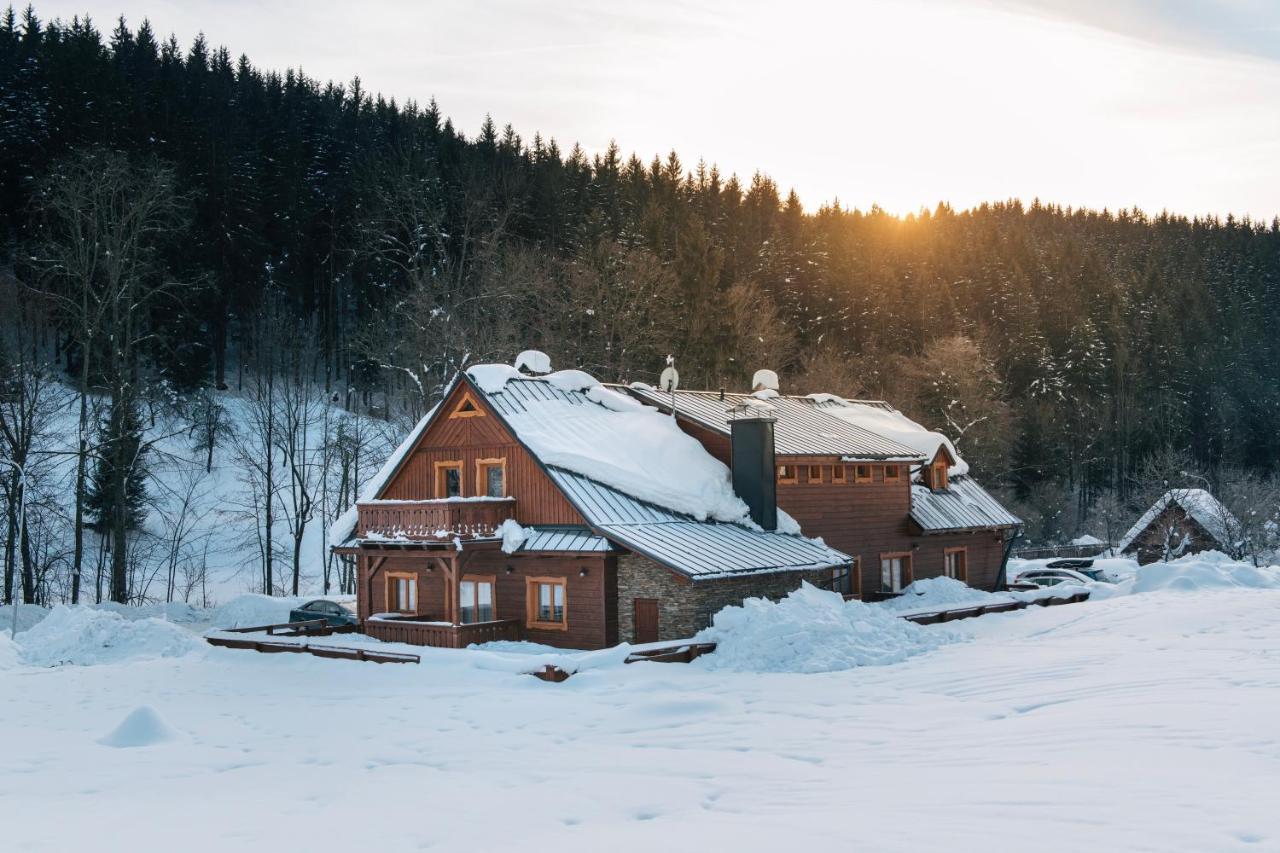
pixel 437 519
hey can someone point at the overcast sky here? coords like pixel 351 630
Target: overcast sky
pixel 1162 104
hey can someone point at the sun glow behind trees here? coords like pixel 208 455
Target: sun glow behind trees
pixel 899 104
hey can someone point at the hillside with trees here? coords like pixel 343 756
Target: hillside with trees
pixel 176 224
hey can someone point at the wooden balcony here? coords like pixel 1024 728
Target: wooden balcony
pixel 426 631
pixel 436 519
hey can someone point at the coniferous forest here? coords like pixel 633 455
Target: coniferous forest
pixel 276 223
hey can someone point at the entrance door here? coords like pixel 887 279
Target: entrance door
pixel 646 620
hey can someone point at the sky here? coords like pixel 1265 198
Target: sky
pixel 1159 104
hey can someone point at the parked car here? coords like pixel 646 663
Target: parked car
pixel 1053 577
pixel 336 613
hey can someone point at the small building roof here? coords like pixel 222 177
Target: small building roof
pixel 1201 505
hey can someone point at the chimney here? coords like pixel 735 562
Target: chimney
pixel 754 474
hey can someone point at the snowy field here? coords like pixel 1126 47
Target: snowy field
pixel 1135 722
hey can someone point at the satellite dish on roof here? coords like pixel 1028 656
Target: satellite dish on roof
pixel 764 380
pixel 533 361
pixel 670 379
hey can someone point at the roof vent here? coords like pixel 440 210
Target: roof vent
pixel 533 361
pixel 764 380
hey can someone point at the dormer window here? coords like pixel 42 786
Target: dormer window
pixel 938 476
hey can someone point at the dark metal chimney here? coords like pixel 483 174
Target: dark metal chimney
pixel 754 474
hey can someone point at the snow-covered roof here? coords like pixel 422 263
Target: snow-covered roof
pixel 883 419
pixel 1202 506
pixel 700 550
pixel 802 427
pixel 570 421
pixel 964 505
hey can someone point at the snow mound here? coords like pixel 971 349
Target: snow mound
pixel 143 727
pixel 249 610
pixel 29 615
pixel 572 380
pixel 813 630
pixel 174 611
pixel 492 378
pixel 512 535
pixel 1206 570
pixel 533 361
pixel 86 636
pixel 8 652
pixel 937 592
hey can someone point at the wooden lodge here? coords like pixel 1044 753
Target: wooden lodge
pixel 1181 522
pixel 560 511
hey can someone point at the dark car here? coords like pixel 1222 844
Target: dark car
pixel 335 613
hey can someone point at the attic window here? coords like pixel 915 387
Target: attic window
pixel 862 473
pixel 892 473
pixel 838 474
pixel 815 473
pixel 467 408
pixel 787 474
pixel 938 476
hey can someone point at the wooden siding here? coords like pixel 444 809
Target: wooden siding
pixel 471 439
pixel 591 599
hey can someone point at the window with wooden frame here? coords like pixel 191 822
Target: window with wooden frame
pixel 467 408
pixel 476 599
pixel 895 571
pixel 892 473
pixel 955 562
pixel 862 473
pixel 938 476
pixel 402 592
pixel 839 474
pixel 491 477
pixel 787 474
pixel 815 473
pixel 449 479
pixel 847 580
pixel 546 603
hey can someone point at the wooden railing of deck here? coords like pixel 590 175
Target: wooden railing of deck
pixel 433 519
pixel 423 631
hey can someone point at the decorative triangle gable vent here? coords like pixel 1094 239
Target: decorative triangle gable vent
pixel 467 408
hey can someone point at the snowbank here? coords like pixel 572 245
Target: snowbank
pixel 813 630
pixel 8 652
pixel 1207 570
pixel 251 609
pixel 86 636
pixel 29 615
pixel 143 727
pixel 938 593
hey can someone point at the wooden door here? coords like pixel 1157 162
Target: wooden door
pixel 646 620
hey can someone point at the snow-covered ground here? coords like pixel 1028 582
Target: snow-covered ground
pixel 1141 721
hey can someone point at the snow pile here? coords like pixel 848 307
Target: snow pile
pixel 940 593
pixel 813 630
pixel 29 615
pixel 87 636
pixel 143 727
pixel 1206 570
pixel 533 361
pixel 8 652
pixel 892 424
pixel 511 534
pixel 174 611
pixel 492 378
pixel 249 610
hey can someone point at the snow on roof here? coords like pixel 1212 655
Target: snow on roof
pixel 344 526
pixel 569 420
pixel 885 420
pixel 1202 506
pixel 533 361
pixel 965 505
